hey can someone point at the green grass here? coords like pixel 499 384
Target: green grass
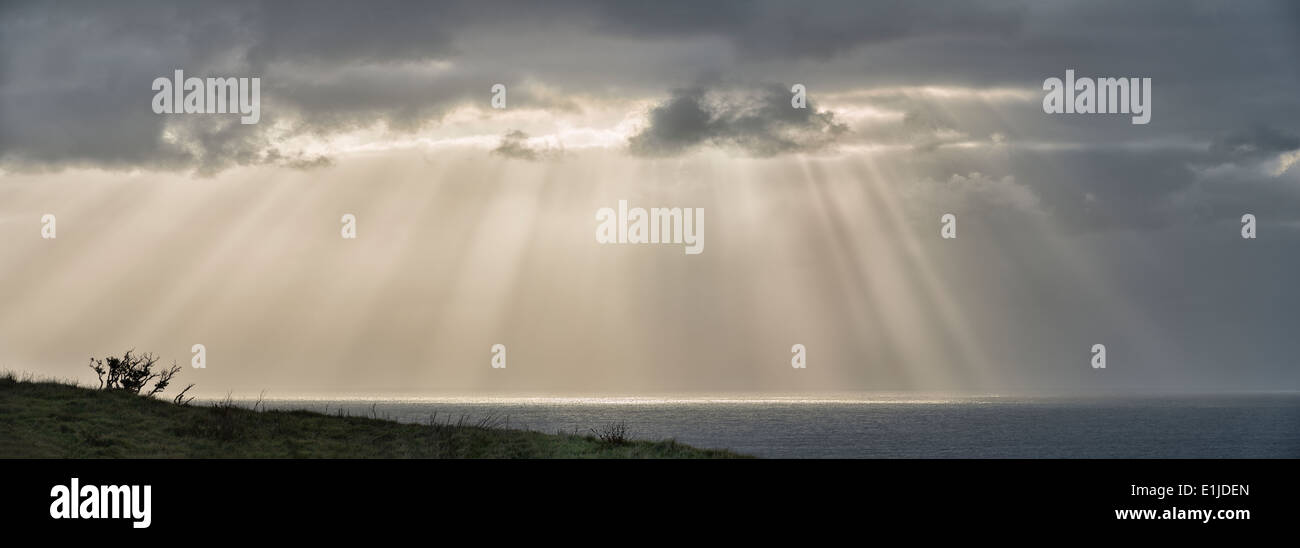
pixel 59 420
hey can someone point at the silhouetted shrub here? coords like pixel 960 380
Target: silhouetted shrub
pixel 133 372
pixel 614 433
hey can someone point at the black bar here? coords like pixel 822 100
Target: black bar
pixel 327 497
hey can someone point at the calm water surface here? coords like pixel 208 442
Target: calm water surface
pixel 1253 426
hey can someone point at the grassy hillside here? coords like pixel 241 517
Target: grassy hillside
pixel 54 420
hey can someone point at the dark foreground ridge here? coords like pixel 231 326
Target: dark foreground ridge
pixel 58 420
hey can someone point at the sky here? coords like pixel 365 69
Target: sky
pixel 476 225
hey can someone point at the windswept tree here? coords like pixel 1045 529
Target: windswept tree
pixel 133 372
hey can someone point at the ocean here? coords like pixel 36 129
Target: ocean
pixel 1236 426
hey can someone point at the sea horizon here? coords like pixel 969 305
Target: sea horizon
pixel 899 425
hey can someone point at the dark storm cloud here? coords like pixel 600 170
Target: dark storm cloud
pixel 761 123
pixel 74 77
pixel 797 30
